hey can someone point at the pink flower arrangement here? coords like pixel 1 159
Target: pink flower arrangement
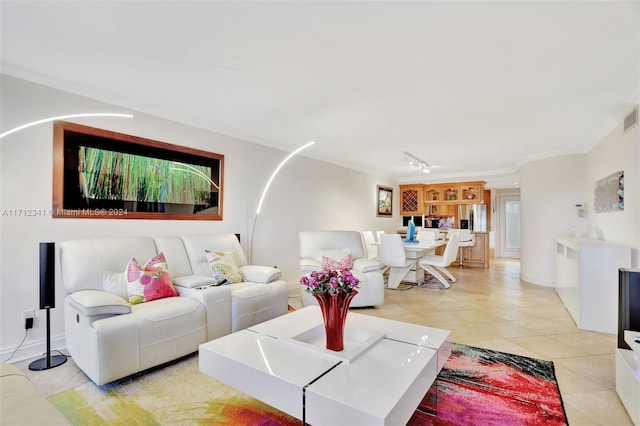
pixel 319 282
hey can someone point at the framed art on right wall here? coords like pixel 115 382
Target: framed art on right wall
pixel 609 193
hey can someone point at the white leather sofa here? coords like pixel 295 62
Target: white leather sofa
pixel 110 339
pixel 335 245
pixel 22 405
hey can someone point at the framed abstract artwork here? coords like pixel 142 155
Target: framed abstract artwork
pixel 101 174
pixel 609 193
pixel 385 201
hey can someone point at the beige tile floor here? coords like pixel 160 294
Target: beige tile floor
pixel 491 309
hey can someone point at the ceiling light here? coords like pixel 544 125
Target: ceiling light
pixel 414 161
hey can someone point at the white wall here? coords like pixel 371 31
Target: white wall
pixel 550 188
pixel 306 194
pixel 618 151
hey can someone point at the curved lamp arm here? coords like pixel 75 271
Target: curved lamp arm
pixel 63 117
pixel 264 193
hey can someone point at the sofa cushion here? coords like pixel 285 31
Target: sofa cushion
pixel 83 262
pixel 115 282
pixel 224 266
pixel 153 333
pixel 149 282
pixel 195 246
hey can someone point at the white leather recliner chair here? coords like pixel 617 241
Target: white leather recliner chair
pixel 336 245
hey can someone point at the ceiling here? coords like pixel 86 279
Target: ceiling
pixel 474 88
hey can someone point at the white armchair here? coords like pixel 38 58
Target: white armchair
pixel 336 245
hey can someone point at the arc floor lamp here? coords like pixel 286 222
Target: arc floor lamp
pixel 264 194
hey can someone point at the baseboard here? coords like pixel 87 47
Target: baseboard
pixel 34 349
pixel 535 281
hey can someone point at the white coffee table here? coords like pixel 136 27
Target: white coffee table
pixel 379 379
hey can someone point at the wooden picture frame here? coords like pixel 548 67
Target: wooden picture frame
pixel 100 174
pixel 384 201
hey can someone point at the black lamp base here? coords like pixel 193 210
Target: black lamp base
pixel 47 362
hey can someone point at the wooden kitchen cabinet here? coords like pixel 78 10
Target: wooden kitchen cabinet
pixel 472 192
pixel 412 199
pixel 442 209
pixel 441 194
pixel 451 194
pixel 433 194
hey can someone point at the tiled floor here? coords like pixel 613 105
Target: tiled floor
pixel 491 309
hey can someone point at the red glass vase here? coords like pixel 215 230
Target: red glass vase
pixel 334 309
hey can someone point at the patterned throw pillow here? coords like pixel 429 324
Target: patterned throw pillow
pixel 329 264
pixel 149 282
pixel 224 266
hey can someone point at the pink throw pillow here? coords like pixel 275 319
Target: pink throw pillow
pixel 329 264
pixel 149 282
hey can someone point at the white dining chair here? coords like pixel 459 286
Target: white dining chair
pixel 370 244
pixel 467 239
pixel 392 254
pixel 428 235
pixel 437 265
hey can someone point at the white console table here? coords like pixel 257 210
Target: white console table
pixel 587 281
pixel 628 375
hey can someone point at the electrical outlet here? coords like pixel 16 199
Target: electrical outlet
pixel 28 317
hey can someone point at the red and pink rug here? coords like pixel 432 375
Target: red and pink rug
pixel 476 387
pixel 490 388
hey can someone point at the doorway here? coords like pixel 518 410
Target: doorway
pixel 509 231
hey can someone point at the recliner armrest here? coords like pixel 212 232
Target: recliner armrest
pixel 260 274
pixel 366 265
pixel 193 281
pixel 97 302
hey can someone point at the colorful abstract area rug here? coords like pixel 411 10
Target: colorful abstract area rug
pixel 476 387
pixel 490 388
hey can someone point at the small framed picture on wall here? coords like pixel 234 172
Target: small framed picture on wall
pixel 385 201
